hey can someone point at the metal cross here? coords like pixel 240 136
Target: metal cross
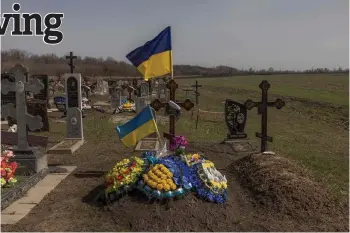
pixel 156 104
pixel 71 60
pixel 262 110
pixel 196 91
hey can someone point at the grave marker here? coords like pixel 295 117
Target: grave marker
pixel 75 124
pixel 71 61
pixel 141 103
pixel 196 91
pixel 130 90
pixel 157 105
pixel 235 118
pixel 73 102
pixel 30 158
pixel 43 94
pixel 262 110
pixel 144 89
pixel 39 104
pixel 74 117
pixel 116 97
pixel 162 92
pixel 187 90
pixel 10 97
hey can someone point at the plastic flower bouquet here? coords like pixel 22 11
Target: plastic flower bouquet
pixel 7 169
pixel 178 145
pixel 124 175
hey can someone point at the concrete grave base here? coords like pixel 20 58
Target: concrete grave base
pixel 242 146
pixel 30 161
pixel 20 208
pixel 4 125
pixel 8 197
pixel 101 103
pixel 147 144
pixel 53 110
pixel 67 146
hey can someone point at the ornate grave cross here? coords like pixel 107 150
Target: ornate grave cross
pixel 71 60
pixel 20 86
pixel 196 91
pixel 262 110
pixel 156 104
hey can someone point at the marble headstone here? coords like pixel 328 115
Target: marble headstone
pixel 74 124
pixel 141 103
pixel 116 97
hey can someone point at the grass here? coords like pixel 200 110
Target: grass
pixel 311 129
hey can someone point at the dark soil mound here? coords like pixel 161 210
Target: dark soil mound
pixel 281 185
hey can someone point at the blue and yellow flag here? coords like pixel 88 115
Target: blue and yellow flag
pixel 154 59
pixel 137 128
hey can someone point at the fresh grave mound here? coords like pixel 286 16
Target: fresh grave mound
pixel 279 184
pixel 168 177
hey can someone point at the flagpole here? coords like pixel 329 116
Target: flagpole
pixel 157 131
pixel 172 64
pixel 171 57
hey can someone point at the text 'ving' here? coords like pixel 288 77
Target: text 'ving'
pixel 52 22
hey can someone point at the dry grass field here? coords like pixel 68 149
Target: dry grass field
pixel 311 129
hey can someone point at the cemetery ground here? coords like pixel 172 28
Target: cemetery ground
pixel 303 188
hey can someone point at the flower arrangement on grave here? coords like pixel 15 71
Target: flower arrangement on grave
pixel 209 184
pixel 178 145
pixel 192 159
pixel 123 176
pixel 160 183
pixel 8 169
pixel 129 105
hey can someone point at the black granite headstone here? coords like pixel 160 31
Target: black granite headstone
pixel 235 118
pixel 73 93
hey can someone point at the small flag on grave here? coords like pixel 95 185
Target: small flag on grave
pixel 154 58
pixel 137 128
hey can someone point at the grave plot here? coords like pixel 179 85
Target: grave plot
pixel 242 211
pixel 27 162
pixel 74 122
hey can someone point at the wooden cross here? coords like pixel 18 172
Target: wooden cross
pixel 196 91
pixel 20 86
pixel 156 105
pixel 71 60
pixel 262 110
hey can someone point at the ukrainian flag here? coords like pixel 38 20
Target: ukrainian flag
pixel 154 59
pixel 139 127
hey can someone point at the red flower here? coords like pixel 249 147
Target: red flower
pixel 3 163
pixel 120 177
pixel 13 166
pixel 3 172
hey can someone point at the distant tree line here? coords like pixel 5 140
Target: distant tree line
pixel 52 64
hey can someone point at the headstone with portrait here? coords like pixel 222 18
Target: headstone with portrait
pixel 74 106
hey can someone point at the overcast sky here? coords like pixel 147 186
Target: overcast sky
pixel 286 34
